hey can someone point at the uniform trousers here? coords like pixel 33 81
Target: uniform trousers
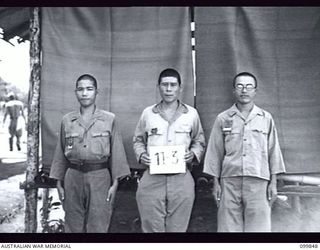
pixel 244 206
pixel 165 201
pixel 86 207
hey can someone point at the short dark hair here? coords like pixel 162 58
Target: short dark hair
pixel 87 77
pixel 169 72
pixel 245 74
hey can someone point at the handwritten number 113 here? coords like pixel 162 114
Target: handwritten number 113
pixel 161 158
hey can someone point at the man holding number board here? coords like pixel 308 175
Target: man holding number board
pixel 168 138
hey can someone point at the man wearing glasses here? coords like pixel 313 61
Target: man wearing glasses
pixel 244 157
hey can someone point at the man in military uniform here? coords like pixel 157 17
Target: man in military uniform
pixel 165 201
pixel 244 158
pixel 88 162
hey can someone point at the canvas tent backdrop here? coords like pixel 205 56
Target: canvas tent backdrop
pixel 281 46
pixel 124 48
pixel 278 44
pixel 15 21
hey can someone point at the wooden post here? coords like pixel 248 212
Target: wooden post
pixel 31 194
pixel 45 207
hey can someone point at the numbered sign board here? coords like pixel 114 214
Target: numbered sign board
pixel 167 159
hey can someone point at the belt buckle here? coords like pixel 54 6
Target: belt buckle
pixel 82 167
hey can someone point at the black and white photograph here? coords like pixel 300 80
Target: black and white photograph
pixel 195 122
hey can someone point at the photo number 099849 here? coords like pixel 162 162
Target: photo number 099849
pixel 167 159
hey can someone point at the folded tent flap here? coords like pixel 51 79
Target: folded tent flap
pixel 15 21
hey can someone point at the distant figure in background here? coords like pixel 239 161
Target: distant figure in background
pixel 14 108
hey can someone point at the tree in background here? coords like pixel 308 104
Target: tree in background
pixel 6 87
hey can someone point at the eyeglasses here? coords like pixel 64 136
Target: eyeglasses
pixel 248 87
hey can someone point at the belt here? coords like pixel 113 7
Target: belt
pixel 85 167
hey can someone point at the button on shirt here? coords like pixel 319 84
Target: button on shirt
pixel 241 146
pixel 96 142
pixel 154 129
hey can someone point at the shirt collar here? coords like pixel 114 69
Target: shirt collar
pixel 233 110
pixel 96 114
pixel 255 110
pixel 182 108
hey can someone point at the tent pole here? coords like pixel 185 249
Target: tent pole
pixel 31 194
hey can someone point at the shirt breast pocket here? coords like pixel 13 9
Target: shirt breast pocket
pixel 183 135
pixel 259 139
pixel 155 136
pixel 71 142
pixel 232 141
pixel 100 143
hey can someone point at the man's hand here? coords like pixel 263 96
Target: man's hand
pixel 60 191
pixel 216 191
pixel 145 159
pixel 112 192
pixel 188 157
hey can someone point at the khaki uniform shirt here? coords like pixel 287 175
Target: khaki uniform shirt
pixel 97 142
pixel 153 129
pixel 244 147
